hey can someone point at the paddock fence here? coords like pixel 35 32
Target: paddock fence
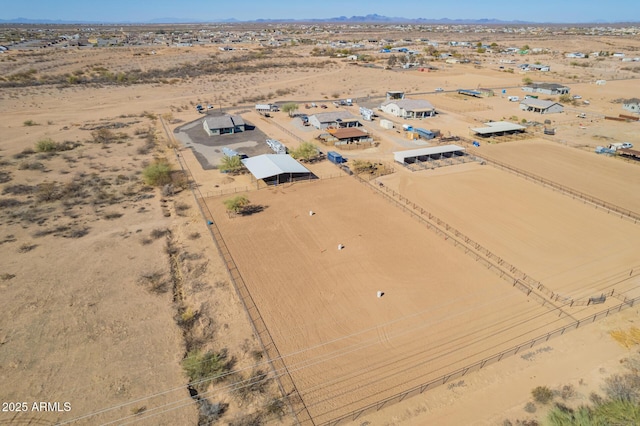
pixel 477 366
pixel 279 371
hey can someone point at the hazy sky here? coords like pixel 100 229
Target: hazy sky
pixel 205 10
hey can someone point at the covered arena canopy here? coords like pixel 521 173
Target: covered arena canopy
pixel 276 168
pixel 499 128
pixel 423 154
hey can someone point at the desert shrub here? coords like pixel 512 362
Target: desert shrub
pixel 29 123
pixel 6 276
pixel 616 412
pixel 6 203
pixel 157 174
pixel 236 204
pixel 209 366
pixel 542 395
pixel 112 215
pixel 275 407
pixel 567 392
pixel 5 176
pixel 25 248
pixel 155 282
pixel 530 407
pixel 208 412
pixel 159 233
pixel 24 153
pixel 623 387
pixel 31 165
pixel 194 236
pixel 46 145
pixel 231 164
pixel 255 384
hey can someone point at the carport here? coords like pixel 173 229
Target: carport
pixel 276 168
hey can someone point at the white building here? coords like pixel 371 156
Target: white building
pixel 409 108
pixel 541 106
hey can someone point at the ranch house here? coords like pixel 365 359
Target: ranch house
pixel 224 124
pixel 541 106
pixel 336 119
pixel 409 108
pixel 547 88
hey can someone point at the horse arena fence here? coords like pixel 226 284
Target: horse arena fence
pixel 477 366
pixel 576 195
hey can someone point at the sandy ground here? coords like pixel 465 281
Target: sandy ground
pixel 80 327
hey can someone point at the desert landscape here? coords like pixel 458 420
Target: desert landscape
pixel 494 288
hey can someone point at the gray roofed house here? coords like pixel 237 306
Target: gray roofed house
pixel 541 106
pixel 547 88
pixel 409 108
pixel 223 124
pixel 632 105
pixel 324 120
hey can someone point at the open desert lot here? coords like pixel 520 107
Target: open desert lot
pixel 119 304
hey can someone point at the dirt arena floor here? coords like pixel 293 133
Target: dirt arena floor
pixel 441 310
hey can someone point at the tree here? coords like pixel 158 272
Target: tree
pixel 290 108
pixel 393 59
pixel 236 204
pixel 306 151
pixel 231 164
pixel 527 81
pixel 566 98
pixel 157 174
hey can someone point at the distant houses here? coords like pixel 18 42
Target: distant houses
pixel 546 88
pixel 541 106
pixel 336 119
pixel 631 105
pixel 409 108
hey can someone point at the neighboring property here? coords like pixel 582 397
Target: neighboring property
pixel 498 128
pixel 276 168
pixel 409 108
pixel 267 108
pixel 336 119
pixel 477 93
pixel 631 105
pixel 547 88
pixel 395 94
pixel 539 67
pixel 541 106
pixel 224 124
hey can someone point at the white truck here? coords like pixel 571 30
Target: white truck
pixel 620 145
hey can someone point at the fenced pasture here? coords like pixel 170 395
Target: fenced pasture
pixel 441 311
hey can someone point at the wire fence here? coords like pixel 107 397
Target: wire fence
pixel 519 279
pixel 285 382
pixel 586 198
pixel 477 366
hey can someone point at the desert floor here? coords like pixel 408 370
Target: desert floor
pixel 83 325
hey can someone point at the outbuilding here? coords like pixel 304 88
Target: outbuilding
pixel 276 168
pixel 424 154
pixel 498 128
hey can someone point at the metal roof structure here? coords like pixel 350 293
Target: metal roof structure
pixel 269 165
pixel 538 103
pixel 332 117
pixel 348 133
pixel 401 156
pixel 224 121
pixel 498 127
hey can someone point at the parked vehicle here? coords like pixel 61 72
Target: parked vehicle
pixel 513 98
pixel 439 89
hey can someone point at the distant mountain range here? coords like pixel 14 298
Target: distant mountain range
pixel 366 19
